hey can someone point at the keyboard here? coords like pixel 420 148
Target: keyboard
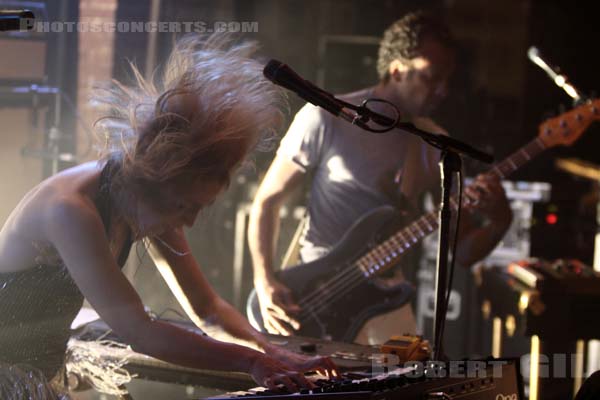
pixel 347 357
pixel 406 384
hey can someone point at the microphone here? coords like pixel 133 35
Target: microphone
pixel 559 79
pixel 282 75
pixel 16 20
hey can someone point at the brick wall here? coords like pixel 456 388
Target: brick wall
pixel 95 61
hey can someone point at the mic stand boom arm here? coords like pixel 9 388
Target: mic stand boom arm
pixel 444 143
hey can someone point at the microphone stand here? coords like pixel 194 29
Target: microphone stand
pixel 450 163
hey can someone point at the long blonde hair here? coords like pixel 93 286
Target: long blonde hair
pixel 210 107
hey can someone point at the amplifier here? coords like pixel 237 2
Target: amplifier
pixel 554 300
pixel 28 60
pixel 466 332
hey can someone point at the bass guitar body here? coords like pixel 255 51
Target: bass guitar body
pixel 336 299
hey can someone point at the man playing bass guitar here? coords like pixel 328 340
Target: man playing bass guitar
pixel 351 172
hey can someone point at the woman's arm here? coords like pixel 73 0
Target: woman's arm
pixel 78 234
pixel 196 296
pixel 209 311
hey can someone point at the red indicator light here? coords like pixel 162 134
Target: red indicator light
pixel 551 219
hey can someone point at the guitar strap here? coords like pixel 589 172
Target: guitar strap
pixel 292 254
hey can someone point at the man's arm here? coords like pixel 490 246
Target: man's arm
pixel 276 303
pixel 477 240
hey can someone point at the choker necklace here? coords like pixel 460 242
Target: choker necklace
pixel 171 249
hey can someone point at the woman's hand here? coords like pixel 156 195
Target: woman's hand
pixel 299 362
pixel 269 372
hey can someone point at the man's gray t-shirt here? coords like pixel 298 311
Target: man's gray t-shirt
pixel 350 167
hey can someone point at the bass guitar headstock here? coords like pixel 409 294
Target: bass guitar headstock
pixel 566 128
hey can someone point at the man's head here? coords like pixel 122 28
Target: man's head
pixel 416 60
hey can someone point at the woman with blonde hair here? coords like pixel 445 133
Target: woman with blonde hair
pixel 170 148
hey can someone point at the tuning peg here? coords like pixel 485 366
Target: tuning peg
pixel 562 109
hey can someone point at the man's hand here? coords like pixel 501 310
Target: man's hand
pixel 490 199
pixel 477 237
pixel 277 307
